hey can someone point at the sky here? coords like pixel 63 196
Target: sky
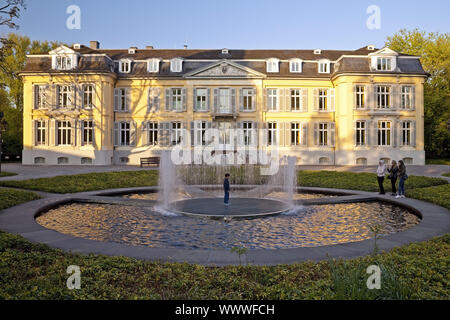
pixel 233 24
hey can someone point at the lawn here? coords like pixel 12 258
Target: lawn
pixel 7 174
pixel 447 174
pixel 36 271
pixel 445 161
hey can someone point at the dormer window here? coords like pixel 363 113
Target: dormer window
pixel 124 66
pixel 63 63
pixel 295 65
pixel 371 47
pixel 317 51
pixel 384 63
pixel 153 65
pixel 64 58
pixel 176 65
pixel 272 65
pixel 224 51
pixel 132 50
pixel 324 66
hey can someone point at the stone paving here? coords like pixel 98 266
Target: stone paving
pixel 21 220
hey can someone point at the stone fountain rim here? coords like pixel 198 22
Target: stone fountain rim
pixel 20 220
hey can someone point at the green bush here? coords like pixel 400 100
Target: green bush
pixel 10 197
pixel 88 181
pixel 7 174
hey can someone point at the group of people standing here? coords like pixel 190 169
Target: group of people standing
pixel 395 172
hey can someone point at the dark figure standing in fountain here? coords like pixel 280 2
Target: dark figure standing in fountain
pixel 226 189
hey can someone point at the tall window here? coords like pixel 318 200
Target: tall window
pixel 64 136
pixel 88 96
pixel 296 134
pixel 224 101
pixel 272 99
pixel 247 99
pixel 384 64
pixel 125 66
pixel 88 132
pixel 40 97
pixel 124 134
pixel 65 96
pixel 121 99
pixel 406 133
pixel 63 63
pixel 152 128
pixel 384 133
pixel 406 95
pixel 323 134
pixel 177 99
pixel 272 138
pixel 40 132
pixel 323 100
pixel 296 99
pixel 383 96
pixel 176 133
pixel 360 97
pixel 247 127
pixel 201 100
pixel 360 132
pixel 199 132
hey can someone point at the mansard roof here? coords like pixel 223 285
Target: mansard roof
pixel 254 60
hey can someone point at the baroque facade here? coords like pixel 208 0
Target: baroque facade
pixel 86 105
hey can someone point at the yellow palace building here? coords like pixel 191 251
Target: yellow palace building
pixel 93 106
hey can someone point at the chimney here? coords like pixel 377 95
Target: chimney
pixel 185 47
pixel 94 45
pixel 149 47
pixel 132 50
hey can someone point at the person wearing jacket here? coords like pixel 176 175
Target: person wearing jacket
pixel 393 173
pixel 381 172
pixel 226 189
pixel 402 176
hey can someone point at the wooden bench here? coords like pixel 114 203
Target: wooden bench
pixel 149 161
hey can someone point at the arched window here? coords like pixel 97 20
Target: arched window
pixel 324 160
pixel 63 160
pixel 39 160
pixel 361 161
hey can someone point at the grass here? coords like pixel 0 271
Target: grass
pixel 88 181
pixel 445 161
pixel 439 195
pixel 359 181
pixel 447 174
pixel 10 197
pixel 7 174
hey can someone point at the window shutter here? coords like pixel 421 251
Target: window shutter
pixel 93 133
pixel 72 96
pixel 413 98
pixel 368 97
pixel 374 97
pixel 233 100
pixel 316 99
pixel 161 134
pixel 241 99
pixel 280 134
pixel 193 132
pixel 240 134
pixel 263 135
pixel 116 99
pixel 287 134
pixel 132 133
pixel 395 132
pixel 128 99
pixel 216 100
pixel 354 132
pixel 266 100
pixel 331 99
pixel 183 99
pixel 316 133
pixel 281 100
pixel 35 96
pixel 33 132
pixel 73 130
pixel 52 132
pixel 56 96
pixel 413 133
pixel 354 97
pixel 395 97
pixel 304 141
pixel 144 132
pixel 373 135
pixel 149 99
pixel 253 99
pixel 167 99
pixel 304 99
pixel 332 133
pixel 208 99
pixel 80 133
pixel 194 99
pixel 287 99
pixel 79 96
pixel 116 133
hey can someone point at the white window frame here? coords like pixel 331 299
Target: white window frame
pixel 384 63
pixel 247 127
pixel 248 96
pixel 201 99
pixel 65 96
pixel 406 97
pixel 383 95
pixel 273 98
pixel 176 102
pixel 88 132
pixel 296 133
pixel 295 65
pixel 295 98
pixel 323 133
pixel 360 96
pixel 124 133
pixel 272 133
pixel 360 133
pixel 224 105
pixel 323 99
pixel 152 133
pixel 199 132
pixel 384 133
pixel 41 131
pixel 406 133
pixel 176 132
pixel 64 62
pixel 273 65
pixel 176 65
pixel 125 66
pixel 88 96
pixel 323 66
pixel 153 65
pixel 64 132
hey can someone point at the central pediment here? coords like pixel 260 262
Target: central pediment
pixel 224 69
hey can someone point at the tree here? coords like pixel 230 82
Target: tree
pixel 434 49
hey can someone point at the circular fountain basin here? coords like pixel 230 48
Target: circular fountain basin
pixel 238 208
